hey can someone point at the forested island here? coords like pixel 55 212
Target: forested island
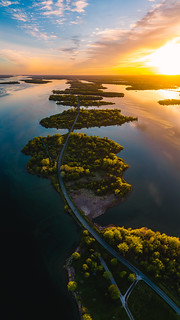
pixel 86 101
pixel 80 88
pixel 86 119
pixel 36 81
pixel 10 82
pixel 89 94
pixel 90 166
pixel 168 102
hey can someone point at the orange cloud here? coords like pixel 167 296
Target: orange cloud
pixel 125 47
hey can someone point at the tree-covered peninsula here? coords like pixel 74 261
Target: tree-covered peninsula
pixel 91 283
pixel 90 163
pixel 155 253
pixel 86 119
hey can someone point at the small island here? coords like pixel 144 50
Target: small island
pixel 10 82
pixel 168 102
pixel 86 119
pixel 83 100
pixel 36 81
pixel 80 88
pixel 92 172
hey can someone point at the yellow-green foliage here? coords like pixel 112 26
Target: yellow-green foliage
pixel 86 316
pixel 44 152
pixel 132 277
pixel 76 255
pixel 86 119
pixel 114 292
pixel 72 285
pixel 158 254
pixel 87 157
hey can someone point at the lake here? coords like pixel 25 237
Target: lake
pixel 36 234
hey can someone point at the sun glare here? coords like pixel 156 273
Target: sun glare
pixel 166 59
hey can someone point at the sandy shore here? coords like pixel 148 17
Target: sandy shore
pixel 91 204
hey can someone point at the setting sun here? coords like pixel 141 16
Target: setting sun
pixel 166 59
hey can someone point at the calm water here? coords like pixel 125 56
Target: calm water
pixel 36 235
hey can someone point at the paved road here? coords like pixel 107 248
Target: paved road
pixel 101 241
pixel 121 297
pixel 129 290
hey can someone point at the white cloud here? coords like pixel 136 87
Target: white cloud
pixel 47 5
pixel 60 21
pixel 79 6
pixel 35 32
pixel 60 6
pixel 19 15
pixel 4 3
pixel 50 8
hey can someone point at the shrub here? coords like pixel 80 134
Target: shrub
pixel 72 285
pixel 76 255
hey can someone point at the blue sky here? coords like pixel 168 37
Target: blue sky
pixel 67 36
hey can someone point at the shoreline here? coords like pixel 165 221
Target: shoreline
pixel 92 205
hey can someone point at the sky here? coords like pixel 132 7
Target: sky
pixel 89 36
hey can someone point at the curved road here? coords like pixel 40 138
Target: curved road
pixel 98 238
pixel 121 297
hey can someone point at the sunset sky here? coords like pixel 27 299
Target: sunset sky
pixel 89 37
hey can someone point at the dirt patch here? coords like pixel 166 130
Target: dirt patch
pixel 91 204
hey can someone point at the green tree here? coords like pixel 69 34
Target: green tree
pixel 132 277
pixel 87 274
pixel 122 274
pixel 76 255
pixel 86 316
pixel 45 162
pixel 107 275
pixel 85 267
pixel 114 292
pixel 72 285
pixel 123 247
pixel 114 262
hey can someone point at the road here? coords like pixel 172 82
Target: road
pixel 129 290
pixel 121 297
pixel 101 241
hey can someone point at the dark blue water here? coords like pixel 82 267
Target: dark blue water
pixel 36 235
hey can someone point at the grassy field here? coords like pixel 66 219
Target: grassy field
pixel 144 303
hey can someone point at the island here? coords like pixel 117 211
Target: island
pixel 10 82
pixel 92 172
pixel 86 101
pixel 93 89
pixel 86 119
pixel 36 81
pixel 169 102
